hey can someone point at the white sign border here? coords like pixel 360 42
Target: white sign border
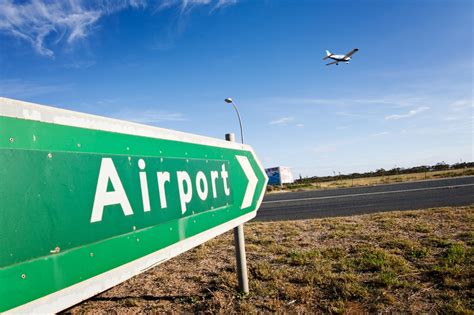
pixel 30 111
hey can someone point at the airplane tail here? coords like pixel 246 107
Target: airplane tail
pixel 328 54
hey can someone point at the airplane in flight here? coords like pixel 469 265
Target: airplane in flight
pixel 339 58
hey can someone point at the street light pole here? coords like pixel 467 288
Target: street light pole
pixel 230 101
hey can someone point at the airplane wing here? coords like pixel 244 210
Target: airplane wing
pixel 325 57
pixel 353 51
pixel 331 63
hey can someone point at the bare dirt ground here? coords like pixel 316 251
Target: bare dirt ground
pixel 411 261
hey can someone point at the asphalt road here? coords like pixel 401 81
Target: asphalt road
pixel 351 201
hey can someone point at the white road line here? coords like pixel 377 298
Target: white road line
pixel 368 194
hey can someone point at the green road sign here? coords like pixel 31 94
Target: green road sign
pixel 87 202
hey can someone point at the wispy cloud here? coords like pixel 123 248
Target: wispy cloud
pixel 343 127
pixel 39 21
pixel 189 4
pixel 411 113
pixel 282 121
pixel 175 28
pixel 391 100
pixel 46 23
pixel 452 118
pixel 352 115
pixel 378 134
pixel 461 105
pixel 79 64
pixel 150 116
pixel 222 3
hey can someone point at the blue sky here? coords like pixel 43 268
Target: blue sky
pixel 405 99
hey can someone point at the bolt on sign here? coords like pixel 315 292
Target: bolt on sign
pixel 87 202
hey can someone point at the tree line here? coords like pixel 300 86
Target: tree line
pixel 441 166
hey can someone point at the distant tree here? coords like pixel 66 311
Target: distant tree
pixel 462 165
pixel 441 166
pixel 380 172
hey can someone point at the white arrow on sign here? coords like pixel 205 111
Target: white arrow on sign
pixel 252 184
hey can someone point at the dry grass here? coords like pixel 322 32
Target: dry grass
pixel 411 261
pixel 370 181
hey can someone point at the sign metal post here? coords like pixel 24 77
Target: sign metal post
pixel 239 242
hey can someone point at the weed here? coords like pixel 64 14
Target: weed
pixel 418 253
pixel 389 279
pixel 467 237
pixel 454 306
pixel 246 307
pixel 337 307
pixel 453 255
pixel 264 241
pixel 347 286
pixel 436 241
pixel 386 223
pixel 371 260
pixel 333 253
pixel 298 258
pixel 314 275
pixel 264 271
pixel 409 249
pixel 422 228
pixel 386 278
pixel 294 293
pixel 339 234
pixel 277 249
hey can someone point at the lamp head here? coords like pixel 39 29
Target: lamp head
pixel 228 100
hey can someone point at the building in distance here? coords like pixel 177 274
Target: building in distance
pixel 279 175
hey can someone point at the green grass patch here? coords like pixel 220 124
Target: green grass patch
pixel 454 255
pixel 299 258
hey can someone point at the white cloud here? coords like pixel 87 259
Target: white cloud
pixel 282 121
pixel 46 23
pixel 300 125
pixel 411 113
